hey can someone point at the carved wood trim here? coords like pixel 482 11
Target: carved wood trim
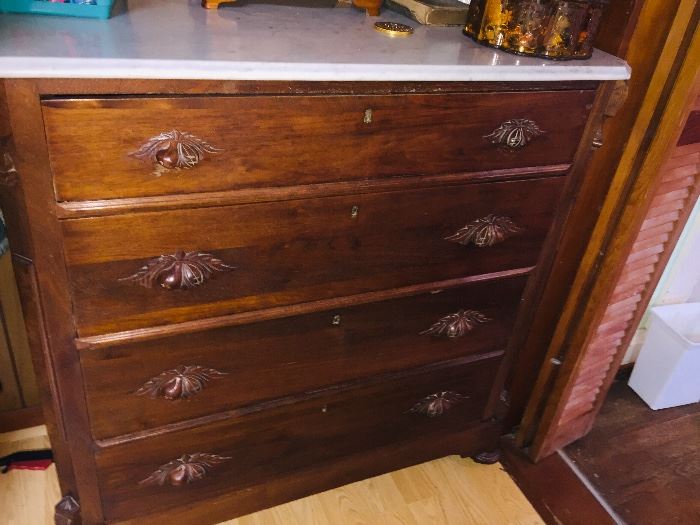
pixel 618 97
pixel 437 404
pixel 67 511
pixel 181 382
pixel 181 270
pixel 515 133
pixel 485 231
pixel 8 172
pixel 174 150
pixel 487 458
pixel 457 324
pixel 184 470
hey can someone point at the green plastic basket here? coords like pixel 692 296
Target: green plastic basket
pixel 102 9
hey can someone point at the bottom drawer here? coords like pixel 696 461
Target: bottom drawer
pixel 177 469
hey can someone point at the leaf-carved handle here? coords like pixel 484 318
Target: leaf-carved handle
pixel 181 382
pixel 184 470
pixel 180 270
pixel 437 404
pixel 175 150
pixel 485 231
pixel 515 133
pixel 457 324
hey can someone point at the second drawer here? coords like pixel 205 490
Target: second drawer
pixel 147 269
pixel 163 381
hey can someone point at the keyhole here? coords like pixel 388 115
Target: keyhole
pixel 336 320
pixel 354 212
pixel 368 116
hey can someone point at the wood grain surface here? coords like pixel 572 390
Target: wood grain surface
pixel 283 141
pixel 271 447
pixel 395 179
pixel 555 489
pixel 290 356
pixel 447 491
pixel 645 463
pixel 655 131
pixel 16 333
pixel 51 87
pixel 297 251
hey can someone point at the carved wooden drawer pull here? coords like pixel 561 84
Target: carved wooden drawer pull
pixel 437 404
pixel 515 134
pixel 486 231
pixel 185 469
pixel 179 383
pixel 174 150
pixel 457 324
pixel 181 270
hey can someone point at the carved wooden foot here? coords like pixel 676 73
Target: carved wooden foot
pixel 214 4
pixel 371 6
pixel 67 511
pixel 487 458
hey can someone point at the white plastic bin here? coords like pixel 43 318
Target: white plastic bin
pixel 667 371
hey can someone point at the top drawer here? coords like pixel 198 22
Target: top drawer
pixel 136 147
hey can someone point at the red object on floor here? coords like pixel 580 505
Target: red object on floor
pixel 26 460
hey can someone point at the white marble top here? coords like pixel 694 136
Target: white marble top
pixel 178 39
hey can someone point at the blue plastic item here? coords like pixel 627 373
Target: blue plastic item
pixel 101 8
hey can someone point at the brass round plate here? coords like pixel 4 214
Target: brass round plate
pixel 393 28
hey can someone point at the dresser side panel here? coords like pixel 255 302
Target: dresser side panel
pixel 56 356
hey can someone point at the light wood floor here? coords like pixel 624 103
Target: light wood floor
pixel 448 491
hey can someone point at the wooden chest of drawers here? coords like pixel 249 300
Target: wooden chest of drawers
pixel 244 299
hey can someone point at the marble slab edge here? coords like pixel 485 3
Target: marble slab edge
pixel 46 67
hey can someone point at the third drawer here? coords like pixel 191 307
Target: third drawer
pixel 158 382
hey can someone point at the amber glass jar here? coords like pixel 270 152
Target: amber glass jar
pixel 555 29
pixel 527 31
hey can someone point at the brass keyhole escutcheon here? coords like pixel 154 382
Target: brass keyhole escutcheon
pixel 354 212
pixel 368 116
pixel 336 320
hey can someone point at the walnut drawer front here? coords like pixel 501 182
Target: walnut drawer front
pixel 135 147
pixel 146 269
pixel 181 377
pixel 144 476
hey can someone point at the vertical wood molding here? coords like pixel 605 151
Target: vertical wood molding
pixel 640 44
pixel 17 333
pixel 34 218
pixel 517 379
pixel 10 395
pixel 581 382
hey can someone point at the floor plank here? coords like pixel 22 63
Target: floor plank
pixel 448 491
pixel 645 463
pixel 27 497
pixel 555 490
